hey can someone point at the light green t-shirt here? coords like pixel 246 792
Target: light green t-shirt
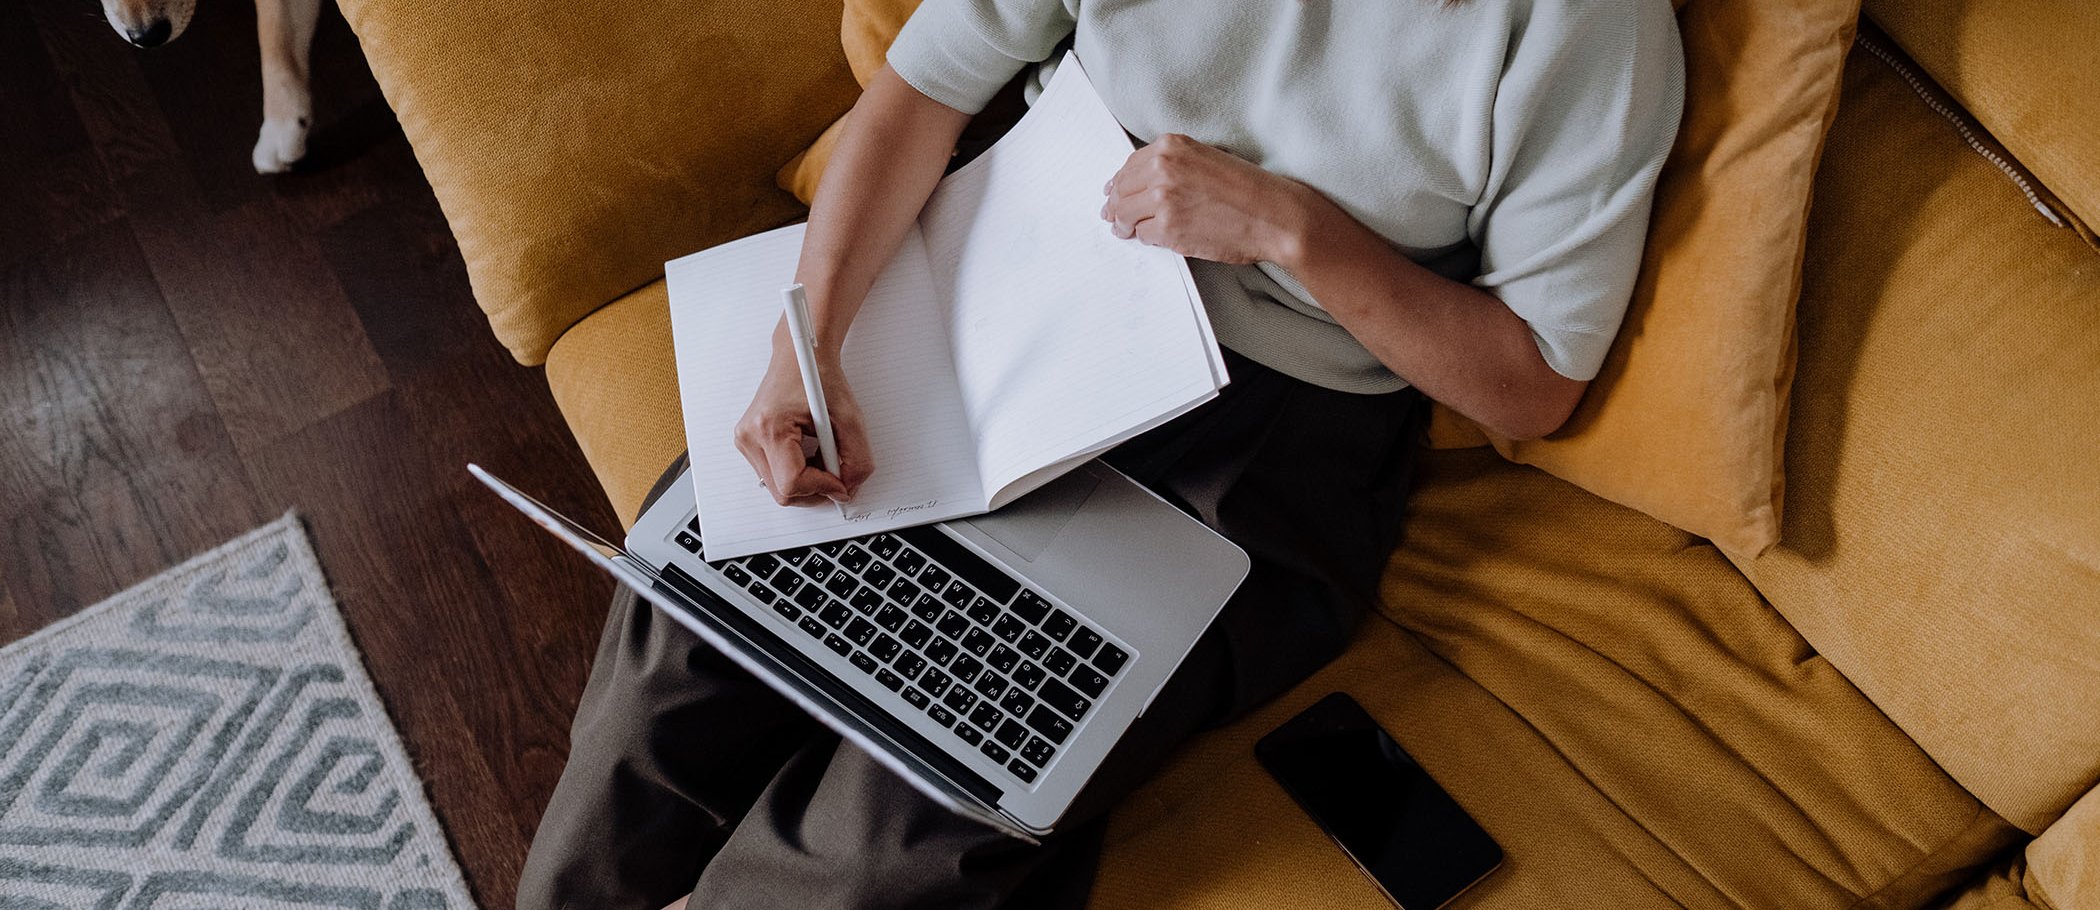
pixel 1510 143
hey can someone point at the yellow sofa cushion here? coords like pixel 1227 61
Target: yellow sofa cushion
pixel 577 145
pixel 2029 72
pixel 616 382
pixel 1614 704
pixel 1942 541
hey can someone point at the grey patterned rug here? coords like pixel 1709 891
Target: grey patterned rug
pixel 208 740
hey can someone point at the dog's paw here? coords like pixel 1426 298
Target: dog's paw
pixel 281 144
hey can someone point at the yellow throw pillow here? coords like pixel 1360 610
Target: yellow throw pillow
pixel 1687 421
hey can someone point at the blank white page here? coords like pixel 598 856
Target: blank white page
pixel 1066 338
pixel 725 302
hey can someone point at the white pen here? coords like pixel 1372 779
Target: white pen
pixel 799 332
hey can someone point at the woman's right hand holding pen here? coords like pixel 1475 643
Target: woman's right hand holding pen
pixel 777 433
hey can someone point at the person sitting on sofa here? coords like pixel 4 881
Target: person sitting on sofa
pixel 1380 202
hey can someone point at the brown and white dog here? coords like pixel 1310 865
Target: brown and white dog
pixel 287 31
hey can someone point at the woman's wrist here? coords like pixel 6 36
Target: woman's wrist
pixel 1301 220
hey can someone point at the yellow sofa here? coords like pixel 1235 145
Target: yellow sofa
pixel 1898 706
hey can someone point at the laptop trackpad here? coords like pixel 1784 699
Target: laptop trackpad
pixel 1029 524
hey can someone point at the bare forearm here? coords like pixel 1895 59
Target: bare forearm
pixel 1457 343
pixel 895 146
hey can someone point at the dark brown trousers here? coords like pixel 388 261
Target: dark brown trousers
pixel 686 775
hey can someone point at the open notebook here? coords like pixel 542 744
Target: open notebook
pixel 1012 338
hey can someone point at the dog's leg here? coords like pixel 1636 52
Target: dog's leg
pixel 286 28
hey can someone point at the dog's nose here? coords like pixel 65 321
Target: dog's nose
pixel 153 35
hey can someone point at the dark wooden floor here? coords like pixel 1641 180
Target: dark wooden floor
pixel 188 349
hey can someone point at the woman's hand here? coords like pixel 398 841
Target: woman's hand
pixel 771 433
pixel 1204 203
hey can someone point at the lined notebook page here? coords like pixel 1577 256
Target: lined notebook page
pixel 724 304
pixel 1067 339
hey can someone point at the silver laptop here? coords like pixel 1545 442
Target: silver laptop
pixel 992 661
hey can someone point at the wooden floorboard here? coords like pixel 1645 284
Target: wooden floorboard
pixel 188 349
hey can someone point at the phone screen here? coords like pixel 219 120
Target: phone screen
pixel 1392 819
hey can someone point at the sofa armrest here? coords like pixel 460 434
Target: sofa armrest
pixel 577 145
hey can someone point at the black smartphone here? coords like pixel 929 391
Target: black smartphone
pixel 1402 830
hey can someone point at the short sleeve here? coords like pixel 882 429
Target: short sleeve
pixel 961 52
pixel 1585 114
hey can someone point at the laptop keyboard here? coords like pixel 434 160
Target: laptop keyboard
pixel 989 660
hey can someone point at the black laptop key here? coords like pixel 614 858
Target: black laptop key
pixel 856 558
pixel 688 542
pixel 969 734
pixel 841 585
pixel 1060 696
pixel 903 591
pixel 1016 702
pixel 916 633
pixel 960 560
pixel 995 752
pixel 1110 659
pixel 1028 675
pixel 817 568
pixel 978 642
pixel 1004 658
pixel 1060 661
pixel 861 631
pixel 990 685
pixel 1059 625
pixel 890 681
pixel 1009 627
pixel 693 524
pixel 1021 770
pixel 795 556
pixel 960 699
pixel 811 595
pixel 934 682
pixel 952 624
pixel 910 562
pixel 835 643
pixel 934 578
pixel 862 662
pixel 917 698
pixel 788 583
pixel 908 665
pixel 1045 721
pixel 1089 680
pixel 940 715
pixel 983 611
pixel 763 565
pixel 890 618
pixel 1037 751
pixel 986 716
pixel 1011 734
pixel 941 651
pixel 879 575
pixel 1031 606
pixel 866 599
pixel 957 594
pixel 764 594
pixel 736 575
pixel 835 615
pixel 965 668
pixel 1084 642
pixel 787 611
pixel 927 608
pixel 812 626
pixel 1035 645
pixel 884 545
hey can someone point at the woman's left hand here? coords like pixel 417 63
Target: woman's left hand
pixel 1204 203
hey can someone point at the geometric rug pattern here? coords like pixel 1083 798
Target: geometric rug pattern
pixel 208 740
